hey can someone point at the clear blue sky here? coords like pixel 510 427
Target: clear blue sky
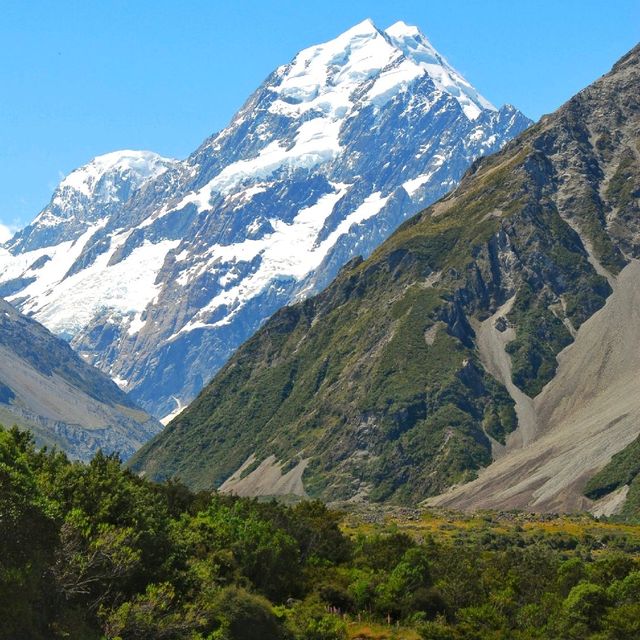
pixel 83 78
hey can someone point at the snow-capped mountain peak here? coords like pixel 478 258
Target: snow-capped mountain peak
pixel 136 166
pixel 401 29
pixel 88 194
pixel 323 78
pixel 158 269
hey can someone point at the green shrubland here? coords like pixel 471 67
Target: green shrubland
pixel 93 551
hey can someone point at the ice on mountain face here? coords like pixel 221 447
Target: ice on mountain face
pixel 144 258
pixel 89 193
pixel 66 304
pixel 412 186
pixel 392 81
pixel 325 80
pixel 315 142
pixel 324 77
pixel 289 252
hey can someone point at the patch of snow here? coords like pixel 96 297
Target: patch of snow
pixel 369 208
pixel 411 186
pixel 394 80
pixel 136 324
pixel 121 382
pixel 316 142
pixel 291 251
pixel 62 257
pixel 170 416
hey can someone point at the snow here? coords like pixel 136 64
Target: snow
pixel 62 257
pixel 136 324
pixel 324 78
pixel 369 208
pixel 417 48
pixel 121 382
pixel 143 165
pixel 67 304
pixel 291 251
pixel 254 226
pixel 249 193
pixel 316 142
pixel 411 186
pixel 177 411
pixel 299 125
pixel 392 81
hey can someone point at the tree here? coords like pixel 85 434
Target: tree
pixel 583 610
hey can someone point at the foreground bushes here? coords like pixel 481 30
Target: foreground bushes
pixel 92 551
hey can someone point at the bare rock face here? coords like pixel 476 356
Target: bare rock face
pixel 485 355
pixel 156 270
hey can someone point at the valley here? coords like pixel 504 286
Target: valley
pixel 364 365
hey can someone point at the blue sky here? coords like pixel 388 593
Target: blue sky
pixel 83 78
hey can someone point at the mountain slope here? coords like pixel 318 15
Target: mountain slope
pixel 321 164
pixel 416 367
pixel 47 388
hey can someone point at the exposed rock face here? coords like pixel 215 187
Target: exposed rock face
pixel 484 327
pixel 47 388
pixel 156 270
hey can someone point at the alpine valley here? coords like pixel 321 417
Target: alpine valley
pixel 491 344
pixel 156 270
pixel 393 333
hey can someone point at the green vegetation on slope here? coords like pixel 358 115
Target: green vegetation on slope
pixel 377 382
pixel 94 552
pixel 388 372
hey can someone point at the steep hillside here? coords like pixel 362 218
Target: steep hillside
pixel 47 388
pixel 418 366
pixel 157 269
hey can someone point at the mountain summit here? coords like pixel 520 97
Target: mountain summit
pixel 378 63
pixel 156 269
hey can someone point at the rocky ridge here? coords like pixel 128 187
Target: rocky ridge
pixel 47 388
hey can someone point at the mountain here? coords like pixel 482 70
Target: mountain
pixel 494 335
pixel 47 388
pixel 156 269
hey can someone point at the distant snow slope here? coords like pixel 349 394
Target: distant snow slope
pixel 157 269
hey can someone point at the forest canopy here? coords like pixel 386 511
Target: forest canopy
pixel 93 551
